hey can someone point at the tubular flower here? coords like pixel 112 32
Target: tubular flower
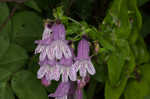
pixel 58 48
pixel 46 39
pixel 83 62
pixel 62 91
pixel 66 70
pixel 49 70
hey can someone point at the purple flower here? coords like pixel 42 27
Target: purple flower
pixel 45 82
pixel 47 31
pixel 83 62
pixel 62 91
pixel 49 72
pixel 58 48
pixel 78 94
pixel 46 40
pixel 67 70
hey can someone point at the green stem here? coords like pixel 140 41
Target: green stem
pixel 73 20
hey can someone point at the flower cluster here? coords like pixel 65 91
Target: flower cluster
pixel 58 62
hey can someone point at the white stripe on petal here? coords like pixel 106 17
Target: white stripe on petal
pixel 42 56
pixel 76 66
pixel 90 68
pixel 41 72
pixel 72 74
pixel 82 70
pixel 49 53
pixel 64 76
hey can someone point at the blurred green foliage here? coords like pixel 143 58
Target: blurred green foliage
pixel 118 26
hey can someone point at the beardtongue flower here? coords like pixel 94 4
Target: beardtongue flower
pixel 46 39
pixel 83 62
pixel 49 70
pixel 45 82
pixel 67 70
pixel 58 48
pixel 62 91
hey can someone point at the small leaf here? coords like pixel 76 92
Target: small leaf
pixel 5 91
pixel 26 86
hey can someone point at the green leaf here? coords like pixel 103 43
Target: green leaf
pixel 115 65
pixel 145 72
pixel 14 58
pixel 4 14
pixel 136 90
pixel 141 52
pixel 135 20
pixel 27 28
pixel 32 4
pixel 4 74
pixel 114 92
pixel 4 45
pixel 5 91
pixel 26 86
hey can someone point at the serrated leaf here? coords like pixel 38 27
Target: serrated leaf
pixel 5 91
pixel 27 28
pixel 14 58
pixel 26 86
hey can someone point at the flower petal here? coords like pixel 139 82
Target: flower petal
pixel 76 66
pixel 90 68
pixel 42 56
pixel 72 74
pixel 82 70
pixel 64 76
pixel 41 72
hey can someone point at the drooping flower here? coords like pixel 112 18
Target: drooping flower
pixel 45 82
pixel 49 70
pixel 66 70
pixel 66 67
pixel 62 91
pixel 83 62
pixel 46 39
pixel 58 48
